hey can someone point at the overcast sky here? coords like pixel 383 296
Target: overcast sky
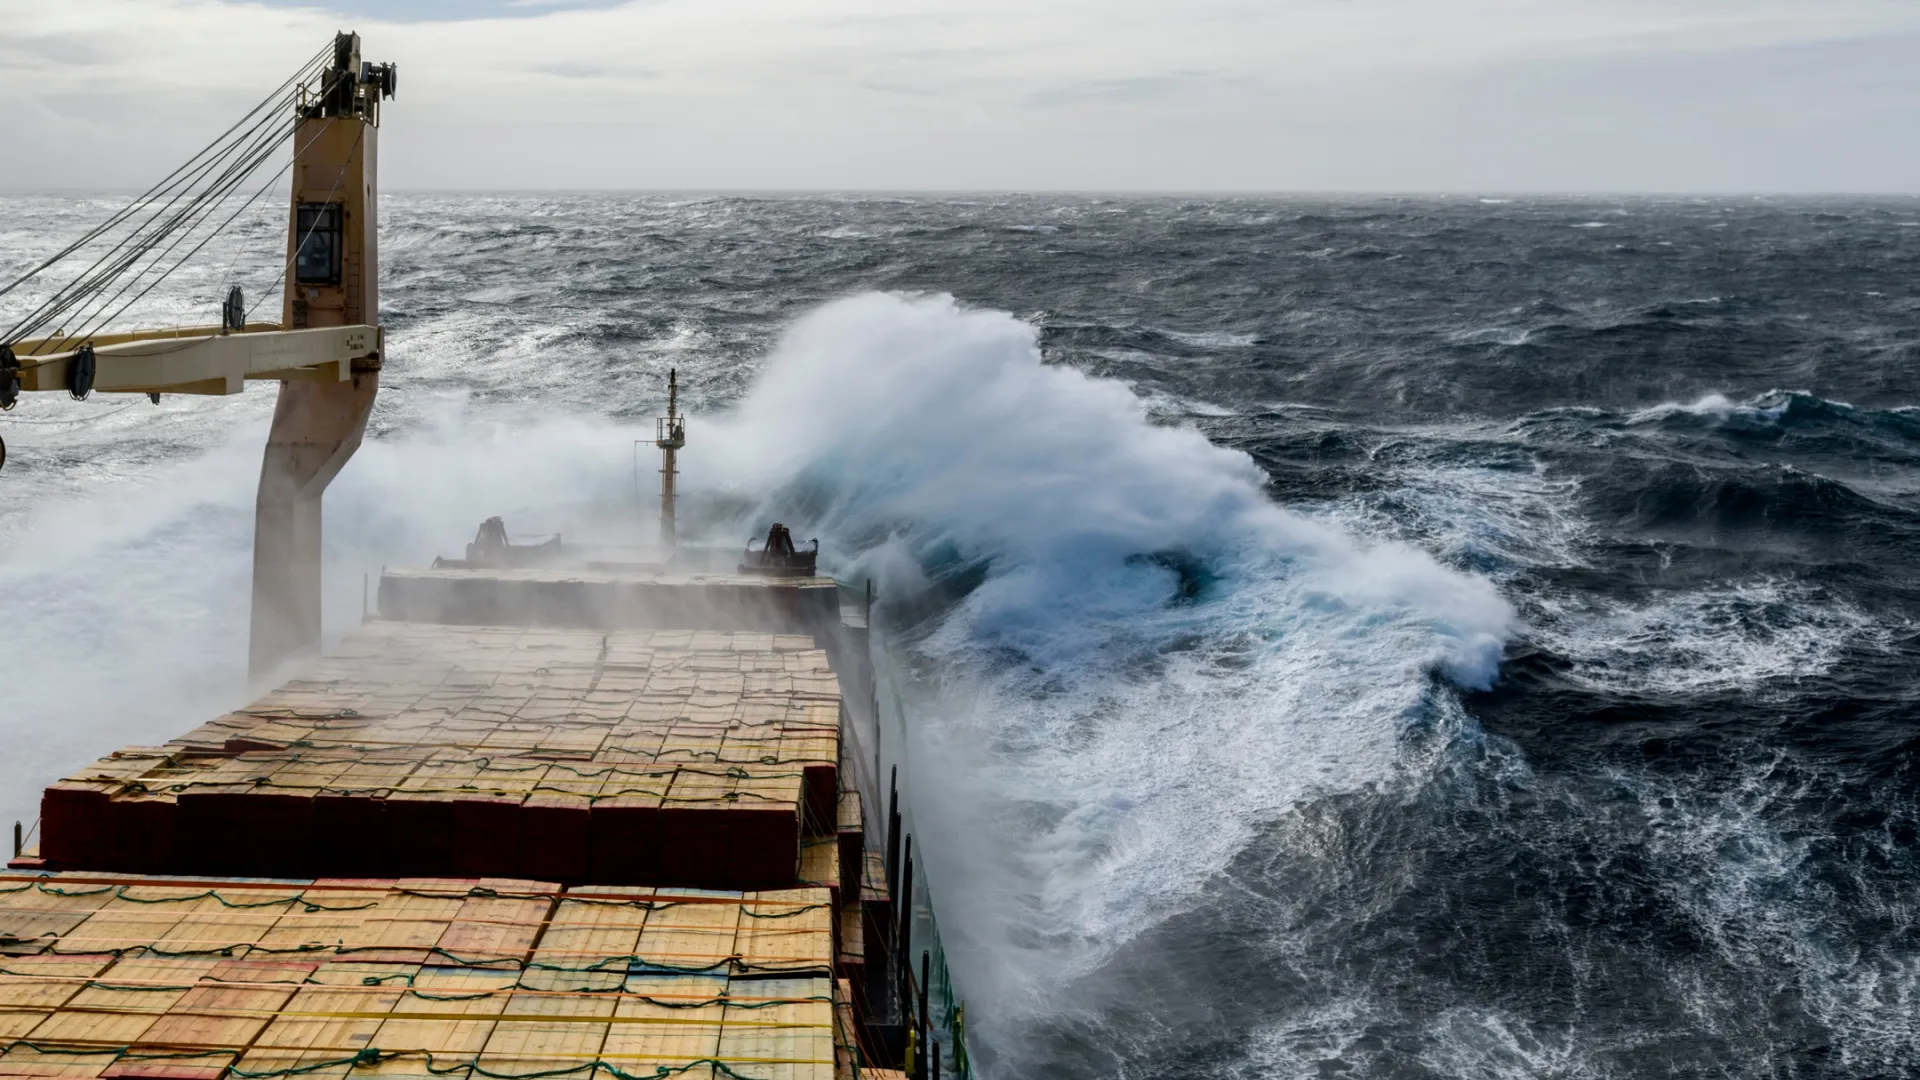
pixel 1313 95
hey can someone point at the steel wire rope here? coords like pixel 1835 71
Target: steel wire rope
pixel 301 74
pixel 93 300
pixel 121 258
pixel 264 140
pixel 113 262
pixel 195 250
pixel 308 235
pixel 249 157
pixel 93 277
pixel 81 419
pixel 268 145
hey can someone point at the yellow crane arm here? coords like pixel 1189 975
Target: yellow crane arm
pixel 202 360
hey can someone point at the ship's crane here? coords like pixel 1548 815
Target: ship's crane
pixel 325 351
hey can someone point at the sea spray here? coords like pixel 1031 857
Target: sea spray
pixel 1151 659
pixel 1139 658
pixel 1556 912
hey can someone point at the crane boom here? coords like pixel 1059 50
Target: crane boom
pixel 325 352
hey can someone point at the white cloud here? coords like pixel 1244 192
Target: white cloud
pixel 985 93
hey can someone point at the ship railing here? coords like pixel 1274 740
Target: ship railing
pixel 925 1003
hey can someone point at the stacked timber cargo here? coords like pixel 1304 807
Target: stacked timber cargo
pixel 567 843
pixel 125 976
pixel 605 595
pixel 674 758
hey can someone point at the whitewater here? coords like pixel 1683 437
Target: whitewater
pixel 1309 668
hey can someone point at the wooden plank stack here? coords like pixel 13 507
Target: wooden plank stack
pixel 607 599
pixel 179 979
pixel 660 757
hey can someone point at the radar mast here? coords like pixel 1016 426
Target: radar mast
pixel 670 434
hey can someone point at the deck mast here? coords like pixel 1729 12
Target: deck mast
pixel 670 435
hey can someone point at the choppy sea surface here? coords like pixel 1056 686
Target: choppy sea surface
pixel 1386 638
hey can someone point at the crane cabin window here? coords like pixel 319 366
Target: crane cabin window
pixel 317 260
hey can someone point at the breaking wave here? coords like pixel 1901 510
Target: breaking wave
pixel 1136 638
pixel 1208 785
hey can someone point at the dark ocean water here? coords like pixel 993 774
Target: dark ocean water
pixel 1561 722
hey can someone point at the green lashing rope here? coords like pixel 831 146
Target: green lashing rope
pixel 374 1056
pixel 733 772
pixel 119 892
pixel 633 964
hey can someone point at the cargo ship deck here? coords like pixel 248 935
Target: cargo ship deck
pixel 547 812
pixel 509 851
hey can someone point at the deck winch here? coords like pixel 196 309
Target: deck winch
pixel 777 556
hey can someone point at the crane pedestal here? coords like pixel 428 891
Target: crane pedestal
pixel 317 426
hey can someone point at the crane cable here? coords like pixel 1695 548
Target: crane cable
pixel 242 158
pixel 179 204
pixel 217 230
pixel 166 183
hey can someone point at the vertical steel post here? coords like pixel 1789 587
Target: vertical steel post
pixel 672 435
pixel 926 976
pixel 903 934
pixel 893 831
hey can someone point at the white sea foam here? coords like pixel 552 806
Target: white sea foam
pixel 1214 339
pixel 1097 748
pixel 1763 408
pixel 1496 510
pixel 1094 749
pixel 1741 635
pixel 1492 335
pixel 1738 859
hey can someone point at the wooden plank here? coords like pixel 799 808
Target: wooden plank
pixel 789 930
pixel 847 1054
pixel 853 944
pixel 329 918
pixel 212 925
pixel 114 1011
pixel 32 987
pixel 548 1023
pixel 667 1021
pixel 228 1007
pixel 487 824
pixel 333 1018
pixel 134 917
pixel 404 928
pixel 446 1019
pixel 588 929
pixel 37 912
pixel 626 843
pixel 787 1034
pixel 692 932
pixel 820 863
pixel 489 929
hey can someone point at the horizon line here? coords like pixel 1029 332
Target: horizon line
pixel 1269 193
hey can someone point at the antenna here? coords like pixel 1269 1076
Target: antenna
pixel 670 435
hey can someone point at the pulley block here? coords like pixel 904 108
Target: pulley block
pixel 9 378
pixel 233 311
pixel 80 371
